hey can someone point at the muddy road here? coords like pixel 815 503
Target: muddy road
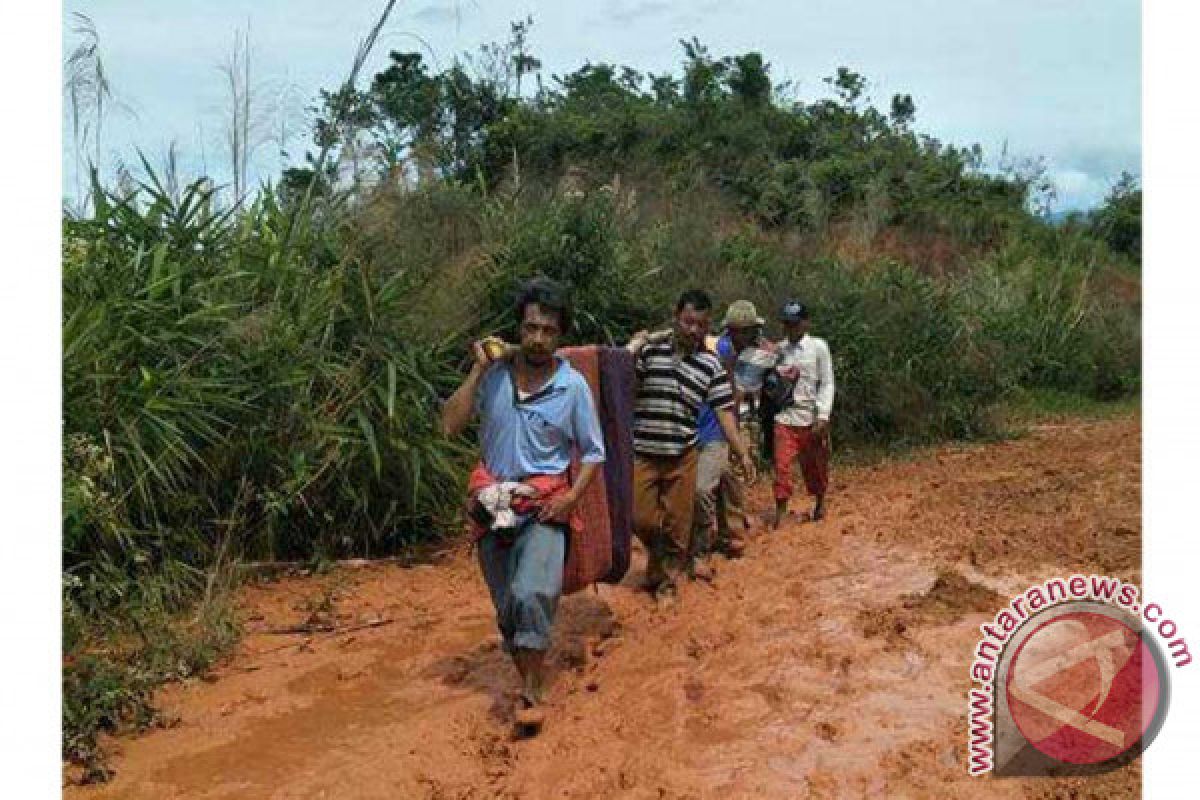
pixel 832 661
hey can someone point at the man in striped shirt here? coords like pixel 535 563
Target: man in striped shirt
pixel 676 376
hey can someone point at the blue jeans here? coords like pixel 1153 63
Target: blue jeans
pixel 525 581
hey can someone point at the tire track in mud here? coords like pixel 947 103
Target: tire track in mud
pixel 831 661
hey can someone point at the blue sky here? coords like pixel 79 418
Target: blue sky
pixel 1059 79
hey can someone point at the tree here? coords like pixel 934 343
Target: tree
pixel 1119 220
pixel 750 79
pixel 903 111
pixel 523 62
pixel 848 85
pixel 702 76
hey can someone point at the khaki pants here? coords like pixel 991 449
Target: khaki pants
pixel 732 519
pixel 720 500
pixel 712 460
pixel 664 490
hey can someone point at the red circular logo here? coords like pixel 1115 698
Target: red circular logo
pixel 1083 688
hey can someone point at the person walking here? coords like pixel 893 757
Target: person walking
pixel 534 410
pixel 676 374
pixel 720 492
pixel 802 423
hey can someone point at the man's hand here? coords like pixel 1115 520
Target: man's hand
pixel 643 338
pixel 486 352
pixel 480 356
pixel 457 411
pixel 558 508
pixel 743 462
pixel 820 428
pixel 638 341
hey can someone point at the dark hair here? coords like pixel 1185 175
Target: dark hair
pixel 547 295
pixel 696 298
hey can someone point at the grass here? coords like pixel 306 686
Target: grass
pixel 114 661
pixel 1031 406
pixel 1014 418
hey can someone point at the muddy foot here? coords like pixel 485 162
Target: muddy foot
pixel 665 597
pixel 818 512
pixel 530 717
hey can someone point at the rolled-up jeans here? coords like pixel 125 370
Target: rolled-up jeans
pixel 525 581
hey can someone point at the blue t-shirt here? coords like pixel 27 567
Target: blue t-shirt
pixel 707 428
pixel 536 436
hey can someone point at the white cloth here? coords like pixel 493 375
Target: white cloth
pixel 497 499
pixel 813 395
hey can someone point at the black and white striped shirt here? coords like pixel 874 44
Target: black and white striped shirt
pixel 670 393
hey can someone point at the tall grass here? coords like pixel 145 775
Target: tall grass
pixel 223 399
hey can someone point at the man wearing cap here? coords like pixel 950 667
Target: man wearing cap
pixel 802 425
pixel 720 495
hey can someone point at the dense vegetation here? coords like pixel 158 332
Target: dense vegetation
pixel 261 381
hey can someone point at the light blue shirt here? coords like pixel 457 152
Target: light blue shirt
pixel 536 436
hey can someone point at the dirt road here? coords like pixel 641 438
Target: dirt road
pixel 831 661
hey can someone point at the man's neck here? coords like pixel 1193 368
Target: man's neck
pixel 680 345
pixel 532 377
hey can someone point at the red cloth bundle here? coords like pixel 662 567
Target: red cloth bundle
pixel 590 552
pixel 547 486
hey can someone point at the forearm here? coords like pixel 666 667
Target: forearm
pixel 825 389
pixel 587 471
pixel 456 413
pixel 729 427
pixel 824 403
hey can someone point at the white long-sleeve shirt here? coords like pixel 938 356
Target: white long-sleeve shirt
pixel 813 395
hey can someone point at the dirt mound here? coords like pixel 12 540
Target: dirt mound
pixel 786 676
pixel 946 601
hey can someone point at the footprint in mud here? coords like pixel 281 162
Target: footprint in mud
pixel 829 731
pixel 799 591
pixel 775 696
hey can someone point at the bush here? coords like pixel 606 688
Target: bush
pixel 579 242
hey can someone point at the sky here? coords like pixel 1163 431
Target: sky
pixel 1052 79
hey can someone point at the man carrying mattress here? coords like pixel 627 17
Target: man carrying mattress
pixel 676 374
pixel 534 409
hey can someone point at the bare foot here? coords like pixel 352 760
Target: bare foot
pixel 530 717
pixel 818 512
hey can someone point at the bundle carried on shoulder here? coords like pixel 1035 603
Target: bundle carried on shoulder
pixel 600 552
